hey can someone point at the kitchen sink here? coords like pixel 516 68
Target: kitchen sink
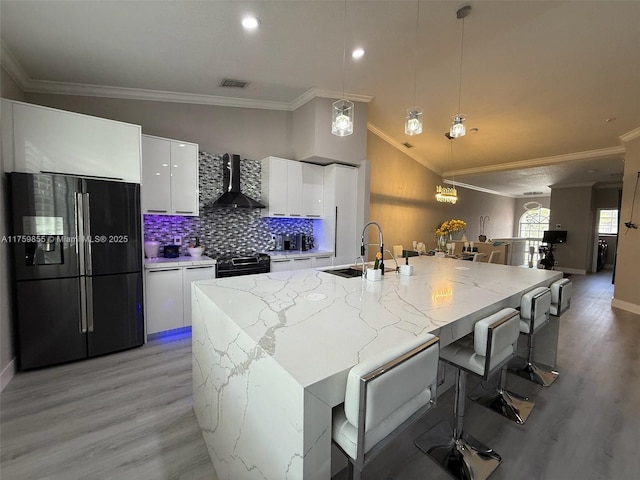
pixel 349 272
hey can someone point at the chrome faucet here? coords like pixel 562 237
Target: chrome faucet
pixel 394 259
pixel 363 246
pixel 364 265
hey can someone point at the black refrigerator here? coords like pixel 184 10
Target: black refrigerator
pixel 78 267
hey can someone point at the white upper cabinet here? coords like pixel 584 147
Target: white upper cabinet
pixel 169 176
pixel 184 178
pixel 294 188
pixel 275 190
pixel 291 188
pixel 39 139
pixel 312 190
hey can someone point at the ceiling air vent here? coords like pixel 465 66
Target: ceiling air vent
pixel 408 145
pixel 231 83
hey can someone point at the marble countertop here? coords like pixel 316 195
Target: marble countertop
pixel 297 253
pixel 317 325
pixel 181 261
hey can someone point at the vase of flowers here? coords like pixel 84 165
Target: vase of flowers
pixel 445 231
pixel 375 274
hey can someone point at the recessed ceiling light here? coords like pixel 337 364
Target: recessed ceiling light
pixel 593 170
pixel 357 53
pixel 610 119
pixel 250 23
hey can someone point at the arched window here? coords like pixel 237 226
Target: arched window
pixel 532 225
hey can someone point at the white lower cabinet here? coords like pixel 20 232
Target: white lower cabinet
pixel 322 261
pixel 168 293
pixel 281 264
pixel 192 274
pixel 299 262
pixel 164 299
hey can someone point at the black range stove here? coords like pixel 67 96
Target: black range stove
pixel 235 264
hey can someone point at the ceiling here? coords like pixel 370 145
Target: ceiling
pixel 539 79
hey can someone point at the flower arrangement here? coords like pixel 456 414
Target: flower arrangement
pixel 450 226
pixel 376 263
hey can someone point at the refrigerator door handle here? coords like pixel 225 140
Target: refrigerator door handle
pixel 87 233
pixel 89 294
pixel 83 305
pixel 80 231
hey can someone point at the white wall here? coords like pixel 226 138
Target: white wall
pixel 9 89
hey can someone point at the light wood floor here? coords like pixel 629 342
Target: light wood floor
pixel 585 426
pixel 129 416
pixel 123 416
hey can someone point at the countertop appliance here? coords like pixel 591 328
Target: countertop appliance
pixel 248 263
pixel 304 242
pixel 171 251
pixel 78 267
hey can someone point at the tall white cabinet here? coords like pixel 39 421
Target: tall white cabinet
pixel 339 227
pixel 169 176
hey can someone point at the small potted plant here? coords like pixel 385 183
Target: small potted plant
pixel 375 274
pixel 406 269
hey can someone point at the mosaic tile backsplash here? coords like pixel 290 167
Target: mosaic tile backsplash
pixel 225 230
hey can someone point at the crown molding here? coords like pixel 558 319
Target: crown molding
pixel 539 162
pixel 13 68
pixel 633 134
pixel 395 143
pixel 478 189
pixel 573 185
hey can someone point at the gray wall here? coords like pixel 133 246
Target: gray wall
pixel 402 200
pixel 8 89
pixel 572 207
pixel 251 133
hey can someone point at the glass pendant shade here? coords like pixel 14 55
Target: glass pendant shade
pixel 342 118
pixel 413 121
pixel 457 127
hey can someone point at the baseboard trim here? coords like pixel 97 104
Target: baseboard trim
pixel 7 374
pixel 629 307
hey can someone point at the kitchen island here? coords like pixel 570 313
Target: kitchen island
pixel 271 352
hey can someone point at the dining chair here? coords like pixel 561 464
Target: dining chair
pixel 491 345
pixel 494 257
pixel 385 395
pixel 478 257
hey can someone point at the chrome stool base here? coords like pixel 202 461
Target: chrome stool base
pixel 464 459
pixel 508 404
pixel 537 375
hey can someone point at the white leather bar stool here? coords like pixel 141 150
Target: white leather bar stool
pixel 384 396
pixel 560 296
pixel 535 307
pixel 486 351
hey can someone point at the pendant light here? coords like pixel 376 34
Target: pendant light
pixel 342 110
pixel 413 120
pixel 457 126
pixel 448 194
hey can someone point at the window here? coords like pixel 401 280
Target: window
pixel 532 225
pixel 534 222
pixel 608 221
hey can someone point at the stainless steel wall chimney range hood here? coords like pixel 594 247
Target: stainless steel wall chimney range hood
pixel 232 197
